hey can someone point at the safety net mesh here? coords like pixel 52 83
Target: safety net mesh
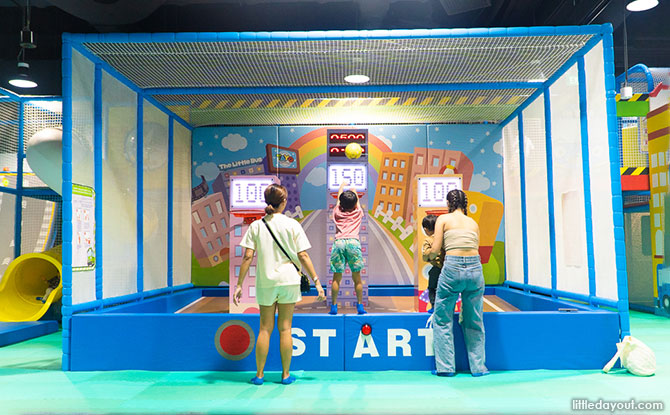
pixel 325 62
pixel 38 115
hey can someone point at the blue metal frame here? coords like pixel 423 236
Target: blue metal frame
pixel 18 207
pixel 170 196
pixel 346 88
pixel 97 155
pixel 586 174
pixel 522 184
pixel 639 68
pixel 550 186
pixel 139 160
pixel 336 34
pixel 66 271
pixel 617 199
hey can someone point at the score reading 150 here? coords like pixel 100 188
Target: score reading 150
pixel 355 174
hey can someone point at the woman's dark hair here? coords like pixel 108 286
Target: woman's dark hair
pixel 457 199
pixel 348 200
pixel 429 222
pixel 275 194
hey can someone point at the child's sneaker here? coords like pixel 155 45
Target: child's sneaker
pixel 360 309
pixel 333 310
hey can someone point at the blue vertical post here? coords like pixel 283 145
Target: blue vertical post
pixel 97 158
pixel 550 188
pixel 170 202
pixel 140 192
pixel 18 207
pixel 586 174
pixel 617 200
pixel 522 185
pixel 66 271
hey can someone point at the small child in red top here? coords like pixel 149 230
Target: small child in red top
pixel 347 216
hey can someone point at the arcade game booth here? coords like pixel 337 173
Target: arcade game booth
pixel 170 140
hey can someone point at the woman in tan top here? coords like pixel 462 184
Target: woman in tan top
pixel 461 273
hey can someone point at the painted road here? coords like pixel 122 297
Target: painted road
pixel 385 263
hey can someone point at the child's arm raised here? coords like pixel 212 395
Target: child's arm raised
pixel 341 189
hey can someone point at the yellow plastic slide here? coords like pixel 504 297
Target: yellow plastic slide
pixel 26 282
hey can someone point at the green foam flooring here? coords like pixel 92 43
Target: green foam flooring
pixel 31 382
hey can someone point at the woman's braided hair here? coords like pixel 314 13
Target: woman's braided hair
pixel 456 199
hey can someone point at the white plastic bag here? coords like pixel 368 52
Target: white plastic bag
pixel 635 356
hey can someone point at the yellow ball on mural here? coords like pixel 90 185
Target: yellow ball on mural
pixel 353 150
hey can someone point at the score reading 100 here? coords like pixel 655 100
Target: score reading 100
pixel 355 174
pixel 433 190
pixel 249 193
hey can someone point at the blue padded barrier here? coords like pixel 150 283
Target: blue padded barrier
pixel 11 333
pixel 323 342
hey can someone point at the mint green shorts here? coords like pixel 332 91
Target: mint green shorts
pixel 346 252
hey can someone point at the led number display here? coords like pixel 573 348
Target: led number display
pixel 246 193
pixel 433 190
pixel 355 174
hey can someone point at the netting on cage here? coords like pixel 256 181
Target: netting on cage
pixel 9 138
pixel 38 115
pixel 41 223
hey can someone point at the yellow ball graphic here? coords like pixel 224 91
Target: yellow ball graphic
pixel 353 150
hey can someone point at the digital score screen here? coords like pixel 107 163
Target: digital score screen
pixel 345 137
pixel 247 193
pixel 432 191
pixel 339 151
pixel 355 174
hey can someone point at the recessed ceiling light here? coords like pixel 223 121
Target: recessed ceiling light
pixel 641 5
pixel 357 79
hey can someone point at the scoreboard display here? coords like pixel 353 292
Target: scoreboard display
pixel 432 191
pixel 355 171
pixel 248 193
pixel 355 174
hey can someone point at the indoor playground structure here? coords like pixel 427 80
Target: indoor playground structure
pixel 644 128
pixel 167 142
pixel 30 259
pixel 169 139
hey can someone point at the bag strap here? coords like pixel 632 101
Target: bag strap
pixel 279 245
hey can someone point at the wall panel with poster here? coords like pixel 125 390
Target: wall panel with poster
pixel 396 155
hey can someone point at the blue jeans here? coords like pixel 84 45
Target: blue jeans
pixel 460 274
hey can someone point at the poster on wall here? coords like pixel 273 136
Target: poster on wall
pixel 83 228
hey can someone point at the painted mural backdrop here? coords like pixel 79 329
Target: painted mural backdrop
pixel 396 155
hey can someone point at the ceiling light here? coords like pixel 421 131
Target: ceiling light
pixel 537 80
pixel 357 79
pixel 641 5
pixel 22 79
